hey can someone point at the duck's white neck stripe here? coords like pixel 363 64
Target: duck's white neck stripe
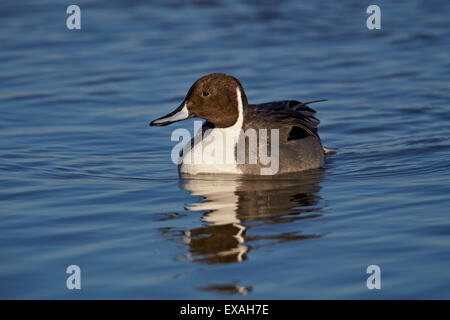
pixel 240 120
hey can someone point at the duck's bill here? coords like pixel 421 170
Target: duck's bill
pixel 181 113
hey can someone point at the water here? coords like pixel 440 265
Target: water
pixel 85 181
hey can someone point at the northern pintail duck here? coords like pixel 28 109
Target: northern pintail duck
pixel 220 100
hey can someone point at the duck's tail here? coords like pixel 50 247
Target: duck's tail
pixel 328 151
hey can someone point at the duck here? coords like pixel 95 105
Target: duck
pixel 285 132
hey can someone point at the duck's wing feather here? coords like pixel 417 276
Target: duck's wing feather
pixel 289 115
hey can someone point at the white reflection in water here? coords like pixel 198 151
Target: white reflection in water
pixel 233 205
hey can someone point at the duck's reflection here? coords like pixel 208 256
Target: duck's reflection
pixel 240 213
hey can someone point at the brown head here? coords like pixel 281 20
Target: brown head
pixel 213 97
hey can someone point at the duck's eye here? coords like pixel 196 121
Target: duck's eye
pixel 206 93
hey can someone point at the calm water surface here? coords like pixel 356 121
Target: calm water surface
pixel 84 180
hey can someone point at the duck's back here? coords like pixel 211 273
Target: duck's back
pixel 300 147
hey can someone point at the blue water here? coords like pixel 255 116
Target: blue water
pixel 85 181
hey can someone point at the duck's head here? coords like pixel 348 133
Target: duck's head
pixel 215 97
